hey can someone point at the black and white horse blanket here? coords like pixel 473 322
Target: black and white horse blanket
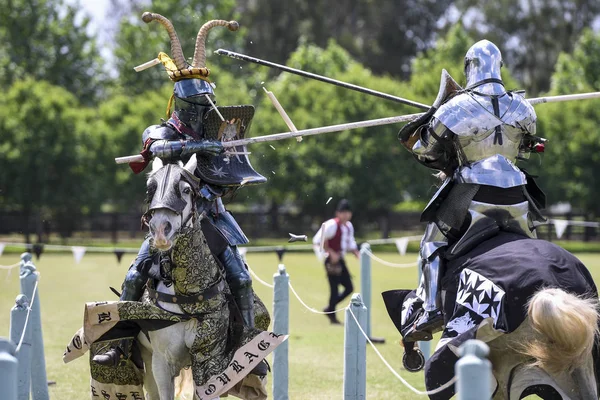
pixel 489 285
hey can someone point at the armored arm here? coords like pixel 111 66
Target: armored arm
pixel 175 149
pixel 434 147
pixel 164 142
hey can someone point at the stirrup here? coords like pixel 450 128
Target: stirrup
pixel 413 359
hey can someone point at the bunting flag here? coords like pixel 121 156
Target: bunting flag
pixel 2 245
pixel 402 244
pixel 78 252
pixel 560 226
pixel 119 254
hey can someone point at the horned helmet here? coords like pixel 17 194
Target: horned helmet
pixel 193 92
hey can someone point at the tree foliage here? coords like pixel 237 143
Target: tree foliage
pixel 47 40
pixel 45 153
pixel 570 165
pixel 531 33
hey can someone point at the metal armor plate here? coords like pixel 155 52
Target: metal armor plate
pixel 159 132
pixel 470 116
pixel 225 170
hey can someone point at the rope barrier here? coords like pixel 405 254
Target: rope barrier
pixel 393 371
pixel 387 263
pixel 310 308
pixel 258 278
pixel 27 316
pixel 9 267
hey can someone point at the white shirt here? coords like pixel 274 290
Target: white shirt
pixel 347 242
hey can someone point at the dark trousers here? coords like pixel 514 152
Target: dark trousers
pixel 338 275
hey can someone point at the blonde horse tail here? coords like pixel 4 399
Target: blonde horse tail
pixel 566 325
pixel 184 385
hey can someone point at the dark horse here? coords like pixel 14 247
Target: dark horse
pixel 532 302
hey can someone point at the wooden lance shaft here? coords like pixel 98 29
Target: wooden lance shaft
pixel 361 124
pixel 243 57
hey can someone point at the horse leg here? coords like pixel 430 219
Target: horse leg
pixel 164 376
pixel 149 381
pixel 169 355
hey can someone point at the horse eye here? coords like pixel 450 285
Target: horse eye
pixel 187 190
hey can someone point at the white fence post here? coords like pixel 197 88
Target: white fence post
pixel 29 277
pixel 355 351
pixel 474 371
pixel 281 322
pixel 18 328
pixel 365 287
pixel 365 282
pixel 8 370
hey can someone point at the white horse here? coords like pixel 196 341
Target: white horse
pixel 551 350
pixel 168 350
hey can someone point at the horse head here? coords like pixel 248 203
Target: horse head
pixel 171 193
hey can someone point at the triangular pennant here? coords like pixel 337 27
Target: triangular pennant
pixel 38 249
pixel 402 244
pixel 2 246
pixel 119 254
pixel 243 251
pixel 280 252
pixel 560 225
pixel 78 252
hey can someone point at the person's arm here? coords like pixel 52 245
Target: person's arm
pixel 327 232
pixel 351 245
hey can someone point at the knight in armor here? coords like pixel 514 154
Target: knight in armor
pixel 473 137
pixel 197 126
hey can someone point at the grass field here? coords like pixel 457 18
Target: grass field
pixel 316 347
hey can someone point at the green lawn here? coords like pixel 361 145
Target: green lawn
pixel 316 347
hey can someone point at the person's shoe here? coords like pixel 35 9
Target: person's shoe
pixel 331 317
pixel 261 369
pixel 426 325
pixel 111 358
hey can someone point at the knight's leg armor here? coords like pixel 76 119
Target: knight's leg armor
pixel 431 263
pixel 240 284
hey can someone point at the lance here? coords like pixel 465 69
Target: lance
pixel 243 57
pixel 360 124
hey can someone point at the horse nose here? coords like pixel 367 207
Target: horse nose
pixel 168 227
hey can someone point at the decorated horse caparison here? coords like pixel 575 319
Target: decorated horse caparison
pixel 188 318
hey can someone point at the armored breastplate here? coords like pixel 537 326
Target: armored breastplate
pixel 495 170
pixel 488 125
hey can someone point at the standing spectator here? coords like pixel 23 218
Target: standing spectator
pixel 336 237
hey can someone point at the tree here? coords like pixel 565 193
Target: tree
pixel 531 34
pixel 47 40
pixel 572 159
pixel 384 36
pixel 45 154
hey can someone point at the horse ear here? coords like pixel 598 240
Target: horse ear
pixel 157 164
pixel 191 165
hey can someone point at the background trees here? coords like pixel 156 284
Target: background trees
pixel 66 112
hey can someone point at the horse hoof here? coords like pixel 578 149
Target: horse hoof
pixel 413 361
